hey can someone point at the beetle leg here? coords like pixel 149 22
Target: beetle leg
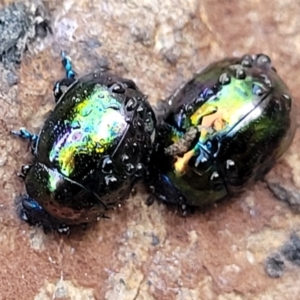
pixel 24 171
pixel 59 85
pixel 31 212
pixel 66 62
pixel 25 134
pixel 68 80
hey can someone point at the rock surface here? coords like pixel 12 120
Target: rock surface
pixel 151 252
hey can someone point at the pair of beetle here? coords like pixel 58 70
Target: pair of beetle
pixel 215 136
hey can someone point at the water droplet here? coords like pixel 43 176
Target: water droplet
pixel 199 100
pixel 209 145
pixel 117 88
pixel 266 79
pixel 124 158
pixel 109 179
pixel 129 168
pixel 75 124
pixel 139 170
pixel 240 73
pixel 88 129
pixel 188 108
pixel 140 109
pixel 162 197
pixel 85 112
pixel 229 163
pixel 206 93
pixel 202 158
pixel 287 101
pixel 247 61
pixel 259 90
pixel 278 105
pixel 107 165
pixel 286 97
pixel 224 79
pixel 262 59
pixel 215 175
pixel 130 104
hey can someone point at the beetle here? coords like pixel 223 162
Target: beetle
pixel 221 131
pixel 93 146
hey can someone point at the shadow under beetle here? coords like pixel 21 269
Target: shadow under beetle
pixel 221 131
pixel 90 150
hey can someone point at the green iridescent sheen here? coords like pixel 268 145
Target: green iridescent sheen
pixel 226 128
pixel 92 148
pixel 94 124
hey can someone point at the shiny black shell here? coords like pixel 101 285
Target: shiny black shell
pixel 221 131
pixel 92 147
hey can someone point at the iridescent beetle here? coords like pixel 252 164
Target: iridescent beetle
pixel 221 131
pixel 94 144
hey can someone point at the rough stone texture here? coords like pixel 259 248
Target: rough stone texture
pixel 150 252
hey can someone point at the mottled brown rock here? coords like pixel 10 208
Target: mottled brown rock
pixel 150 252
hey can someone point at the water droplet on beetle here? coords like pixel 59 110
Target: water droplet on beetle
pixel 214 175
pixel 287 101
pixel 107 165
pixel 117 88
pixel 75 124
pixel 140 108
pixel 240 73
pixel 109 179
pixel 124 158
pixel 199 100
pixel 259 90
pixel 206 93
pixel 247 61
pixel 266 79
pixel 129 168
pixel 224 79
pixel 130 104
pixel 85 112
pixel 189 108
pixel 286 97
pixel 278 104
pixel 262 59
pixel 229 163
pixel 139 170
